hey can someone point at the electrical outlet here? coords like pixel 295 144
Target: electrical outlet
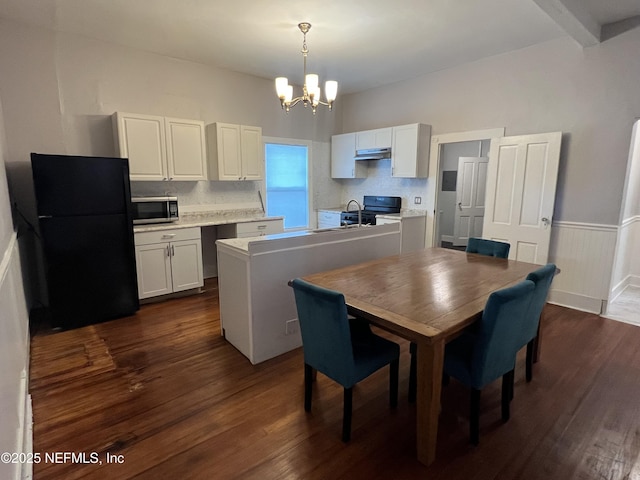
pixel 292 327
pixel 417 200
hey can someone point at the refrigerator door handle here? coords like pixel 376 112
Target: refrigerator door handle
pixel 44 216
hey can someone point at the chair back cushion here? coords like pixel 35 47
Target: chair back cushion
pixel 491 248
pixel 500 333
pixel 324 326
pixel 542 279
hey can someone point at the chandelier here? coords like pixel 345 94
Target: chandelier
pixel 310 90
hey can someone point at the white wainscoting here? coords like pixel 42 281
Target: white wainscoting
pixel 584 253
pixel 15 402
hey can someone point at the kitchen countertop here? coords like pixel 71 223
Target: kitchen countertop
pixel 206 219
pixel 404 213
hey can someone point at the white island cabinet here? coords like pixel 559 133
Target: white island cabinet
pixel 168 261
pixel 257 308
pixel 412 229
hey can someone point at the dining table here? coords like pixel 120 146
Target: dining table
pixel 428 297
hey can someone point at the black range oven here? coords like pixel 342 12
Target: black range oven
pixel 372 206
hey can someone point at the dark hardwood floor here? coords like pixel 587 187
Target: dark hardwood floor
pixel 164 391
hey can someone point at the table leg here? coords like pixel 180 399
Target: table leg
pixel 430 361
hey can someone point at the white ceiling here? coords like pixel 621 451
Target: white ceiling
pixel 361 43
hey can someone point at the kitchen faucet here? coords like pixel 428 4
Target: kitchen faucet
pixel 359 211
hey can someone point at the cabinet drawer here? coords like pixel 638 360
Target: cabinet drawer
pixel 169 235
pixel 263 227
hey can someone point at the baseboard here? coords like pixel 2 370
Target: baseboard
pixel 629 281
pixel 576 301
pixel 27 439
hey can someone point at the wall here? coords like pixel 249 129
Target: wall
pixel 626 270
pixel 591 95
pixel 59 92
pixel 15 427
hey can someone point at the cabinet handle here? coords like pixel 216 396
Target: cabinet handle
pixel 168 251
pixel 261 227
pixel 173 252
pixel 168 235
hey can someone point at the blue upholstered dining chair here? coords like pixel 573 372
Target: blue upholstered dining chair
pixel 488 351
pixel 542 279
pixel 491 248
pixel 331 345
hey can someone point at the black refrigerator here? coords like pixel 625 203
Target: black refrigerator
pixel 86 229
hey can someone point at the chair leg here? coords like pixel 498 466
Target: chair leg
pixel 413 376
pixel 394 367
pixel 474 417
pixel 308 381
pixel 529 362
pixel 507 394
pixel 346 414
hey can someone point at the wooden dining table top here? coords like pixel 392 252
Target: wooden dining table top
pixel 429 297
pixel 429 293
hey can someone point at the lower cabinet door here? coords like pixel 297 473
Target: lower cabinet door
pixel 186 264
pixel 153 263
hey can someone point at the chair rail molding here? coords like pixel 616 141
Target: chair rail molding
pixel 585 253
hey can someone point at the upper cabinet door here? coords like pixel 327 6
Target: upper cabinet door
pixel 379 138
pixel 186 157
pixel 252 152
pixel 343 149
pixel 410 151
pixel 141 139
pixel 228 152
pixel 235 152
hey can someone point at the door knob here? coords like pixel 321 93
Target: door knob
pixel 460 206
pixel 545 221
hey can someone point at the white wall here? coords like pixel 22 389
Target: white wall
pixel 626 269
pixel 59 92
pixel 14 335
pixel 590 94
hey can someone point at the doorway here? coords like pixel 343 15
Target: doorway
pixel 624 294
pixel 453 145
pixel 459 192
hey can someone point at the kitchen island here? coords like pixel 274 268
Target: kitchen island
pixel 257 308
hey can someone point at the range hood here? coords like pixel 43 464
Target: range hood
pixel 373 154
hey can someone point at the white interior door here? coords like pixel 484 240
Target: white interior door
pixel 521 189
pixel 470 198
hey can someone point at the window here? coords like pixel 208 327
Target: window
pixel 287 181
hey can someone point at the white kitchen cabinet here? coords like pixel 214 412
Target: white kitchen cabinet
pixel 378 138
pixel 254 228
pixel 160 148
pixel 410 151
pixel 343 150
pixel 412 230
pixel 235 152
pixel 328 218
pixel 168 261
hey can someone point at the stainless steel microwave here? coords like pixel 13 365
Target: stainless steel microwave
pixel 154 209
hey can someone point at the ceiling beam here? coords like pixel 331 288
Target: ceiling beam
pixel 572 17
